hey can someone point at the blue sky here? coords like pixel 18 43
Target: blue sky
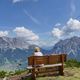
pixel 46 20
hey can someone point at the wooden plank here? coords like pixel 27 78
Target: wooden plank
pixel 30 60
pixel 53 65
pixel 40 60
pixel 45 66
pixel 62 67
pixel 53 59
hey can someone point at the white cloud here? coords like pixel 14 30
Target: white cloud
pixel 58 24
pixel 57 32
pixel 70 29
pixel 15 1
pixel 73 24
pixel 3 33
pixel 26 33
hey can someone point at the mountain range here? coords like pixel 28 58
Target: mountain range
pixel 14 51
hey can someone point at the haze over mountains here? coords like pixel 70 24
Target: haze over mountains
pixel 6 42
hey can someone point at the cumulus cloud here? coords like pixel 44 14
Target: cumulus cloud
pixel 57 32
pixel 26 33
pixel 70 29
pixel 3 33
pixel 73 24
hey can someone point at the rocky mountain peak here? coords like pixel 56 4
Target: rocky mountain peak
pixel 68 46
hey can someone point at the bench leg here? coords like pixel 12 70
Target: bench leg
pixel 61 70
pixel 33 75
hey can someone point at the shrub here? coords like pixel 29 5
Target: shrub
pixel 11 73
pixel 2 74
pixel 72 63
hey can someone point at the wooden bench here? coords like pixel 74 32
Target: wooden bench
pixel 46 65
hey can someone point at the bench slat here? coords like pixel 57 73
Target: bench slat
pixel 46 66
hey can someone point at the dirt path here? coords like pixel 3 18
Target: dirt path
pixel 19 77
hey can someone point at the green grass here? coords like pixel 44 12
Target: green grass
pixel 3 74
pixel 72 63
pixel 17 72
pixel 11 73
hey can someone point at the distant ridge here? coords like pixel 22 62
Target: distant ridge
pixel 69 46
pixel 17 42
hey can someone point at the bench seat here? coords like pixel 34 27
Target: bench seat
pixel 46 66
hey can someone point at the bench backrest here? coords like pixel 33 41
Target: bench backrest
pixel 48 59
